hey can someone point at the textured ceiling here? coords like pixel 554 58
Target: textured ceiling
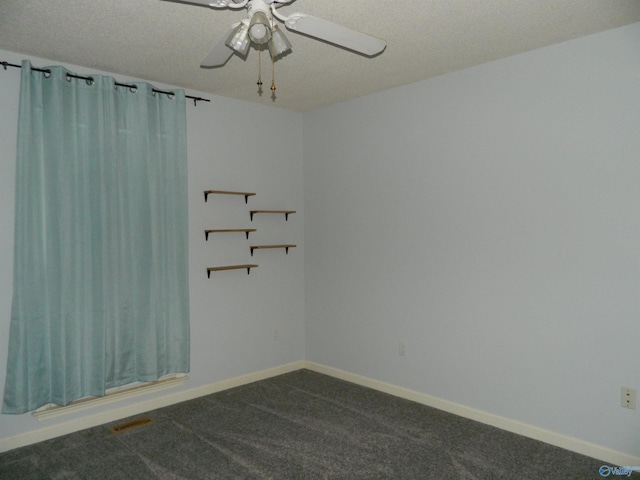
pixel 164 42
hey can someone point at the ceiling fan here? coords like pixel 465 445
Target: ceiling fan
pixel 260 27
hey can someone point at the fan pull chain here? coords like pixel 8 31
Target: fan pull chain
pixel 273 60
pixel 260 69
pixel 273 76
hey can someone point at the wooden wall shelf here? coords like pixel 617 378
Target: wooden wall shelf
pixel 226 230
pixel 230 267
pixel 286 212
pixel 258 247
pixel 246 195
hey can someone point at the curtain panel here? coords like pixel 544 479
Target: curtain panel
pixel 100 289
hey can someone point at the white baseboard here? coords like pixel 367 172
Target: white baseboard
pixel 612 457
pixel 573 444
pixel 46 433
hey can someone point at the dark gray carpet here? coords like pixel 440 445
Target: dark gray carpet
pixel 301 425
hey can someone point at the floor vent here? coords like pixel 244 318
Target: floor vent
pixel 130 425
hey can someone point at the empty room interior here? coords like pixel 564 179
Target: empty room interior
pixel 454 220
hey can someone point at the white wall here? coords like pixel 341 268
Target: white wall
pixel 490 218
pixel 232 146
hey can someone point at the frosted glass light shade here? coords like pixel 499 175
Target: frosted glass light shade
pixel 279 44
pixel 238 40
pixel 259 28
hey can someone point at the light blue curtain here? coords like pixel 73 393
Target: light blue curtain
pixel 100 266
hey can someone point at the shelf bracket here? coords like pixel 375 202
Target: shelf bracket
pixel 285 247
pixel 231 267
pixel 246 195
pixel 285 212
pixel 245 230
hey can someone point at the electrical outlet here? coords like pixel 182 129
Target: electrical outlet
pixel 275 333
pixel 628 397
pixel 402 348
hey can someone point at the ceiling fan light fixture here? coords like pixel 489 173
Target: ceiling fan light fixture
pixel 259 28
pixel 279 44
pixel 238 40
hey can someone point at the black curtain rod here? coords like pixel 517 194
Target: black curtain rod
pixel 46 70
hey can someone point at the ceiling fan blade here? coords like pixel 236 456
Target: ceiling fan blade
pixel 220 53
pixel 211 3
pixel 206 3
pixel 333 33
